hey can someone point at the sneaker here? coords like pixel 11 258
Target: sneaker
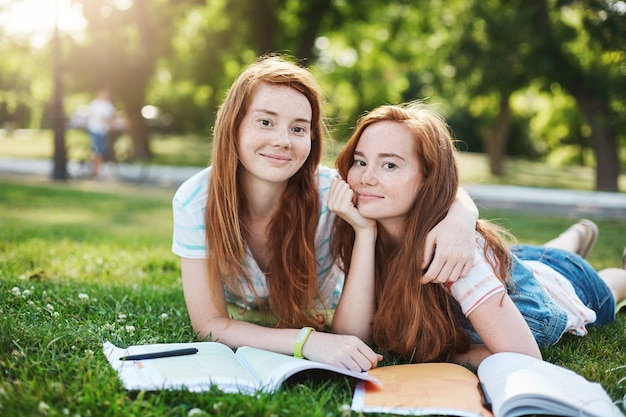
pixel 588 237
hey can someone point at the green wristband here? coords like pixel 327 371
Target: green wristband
pixel 300 341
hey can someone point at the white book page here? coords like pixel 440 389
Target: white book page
pixel 521 385
pixel 272 369
pixel 214 363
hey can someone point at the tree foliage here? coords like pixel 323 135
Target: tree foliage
pixel 530 77
pixel 123 42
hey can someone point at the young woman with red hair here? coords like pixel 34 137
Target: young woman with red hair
pixel 400 181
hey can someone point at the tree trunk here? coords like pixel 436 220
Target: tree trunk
pixel 311 19
pixel 263 25
pixel 138 131
pixel 496 136
pixel 59 171
pixel 603 139
pixel 591 95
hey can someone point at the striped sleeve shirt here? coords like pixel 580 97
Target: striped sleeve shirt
pixel 481 283
pixel 189 237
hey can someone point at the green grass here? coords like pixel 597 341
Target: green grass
pixel 177 150
pixel 83 264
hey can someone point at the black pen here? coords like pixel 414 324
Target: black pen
pixel 486 401
pixel 164 354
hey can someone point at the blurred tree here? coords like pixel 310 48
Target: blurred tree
pixel 496 69
pixel 15 90
pixel 25 83
pixel 583 48
pixel 491 48
pixel 217 39
pixel 370 53
pixel 123 41
pixel 210 46
pixel 499 48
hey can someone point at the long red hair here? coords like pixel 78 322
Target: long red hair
pixel 292 270
pixel 421 322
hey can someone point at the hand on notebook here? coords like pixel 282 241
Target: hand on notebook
pixel 345 351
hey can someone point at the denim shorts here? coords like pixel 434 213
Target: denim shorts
pixel 546 320
pixel 589 287
pixel 98 142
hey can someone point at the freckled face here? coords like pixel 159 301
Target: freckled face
pixel 385 175
pixel 275 134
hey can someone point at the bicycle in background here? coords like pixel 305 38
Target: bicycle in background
pixel 120 160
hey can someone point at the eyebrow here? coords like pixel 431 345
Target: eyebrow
pixel 382 155
pixel 273 113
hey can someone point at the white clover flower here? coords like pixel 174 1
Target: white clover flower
pixel 56 314
pixel 16 291
pixel 195 412
pixel 23 277
pixel 121 318
pixel 345 410
pixel 130 329
pixel 164 316
pixel 43 407
pixel 57 387
pixel 109 327
pixel 83 297
pixel 50 307
pixel 18 353
pixel 26 293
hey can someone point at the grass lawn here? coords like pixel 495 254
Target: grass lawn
pixel 81 266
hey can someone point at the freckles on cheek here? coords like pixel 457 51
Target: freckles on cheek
pixel 351 180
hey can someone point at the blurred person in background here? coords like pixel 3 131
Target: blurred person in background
pixel 99 123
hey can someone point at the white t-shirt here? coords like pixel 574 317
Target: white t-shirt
pixel 189 239
pixel 481 283
pixel 100 114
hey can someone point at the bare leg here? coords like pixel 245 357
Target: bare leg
pixel 578 238
pixel 568 240
pixel 96 164
pixel 615 279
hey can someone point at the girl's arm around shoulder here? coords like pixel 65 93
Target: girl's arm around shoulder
pixel 209 317
pixel 449 248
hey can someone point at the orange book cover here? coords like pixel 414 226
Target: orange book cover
pixel 422 389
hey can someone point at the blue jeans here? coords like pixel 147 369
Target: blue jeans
pixel 546 320
pixel 589 287
pixel 98 142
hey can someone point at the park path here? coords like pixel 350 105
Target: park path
pixel 568 203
